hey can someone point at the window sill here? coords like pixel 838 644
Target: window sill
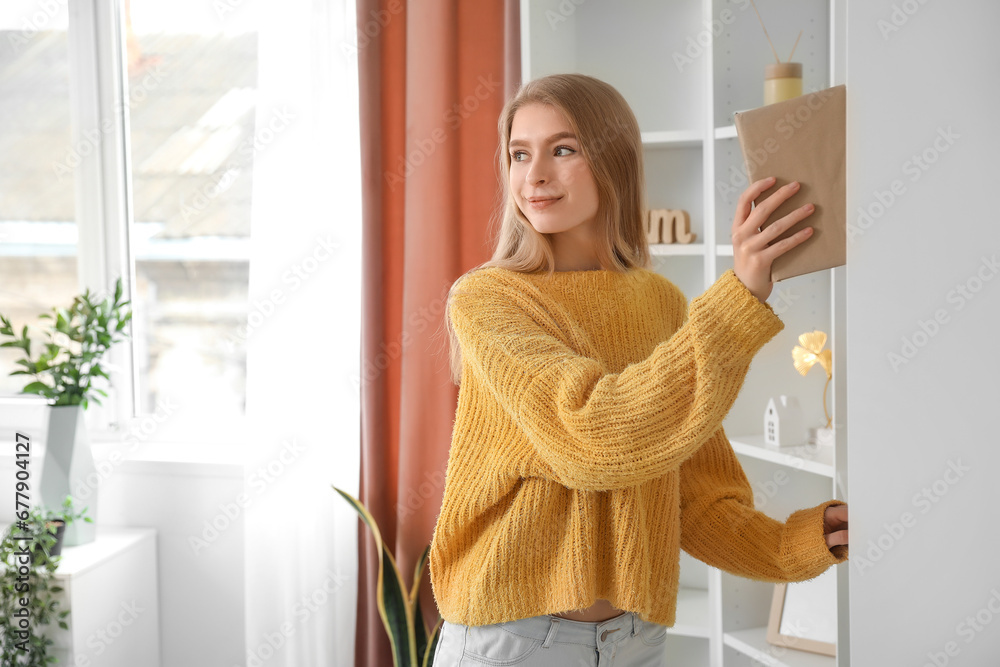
pixel 178 458
pixel 173 458
pixel 147 447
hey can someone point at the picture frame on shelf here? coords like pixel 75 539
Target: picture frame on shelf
pixel 804 615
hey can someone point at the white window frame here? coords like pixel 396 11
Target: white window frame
pixel 99 111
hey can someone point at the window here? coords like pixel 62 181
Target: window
pixel 192 80
pixel 38 231
pixel 184 171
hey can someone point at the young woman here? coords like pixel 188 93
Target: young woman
pixel 587 447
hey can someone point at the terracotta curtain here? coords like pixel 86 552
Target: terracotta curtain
pixel 433 75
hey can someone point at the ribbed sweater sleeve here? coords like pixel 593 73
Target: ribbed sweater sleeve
pixel 721 527
pixel 595 430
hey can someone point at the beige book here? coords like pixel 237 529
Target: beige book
pixel 802 139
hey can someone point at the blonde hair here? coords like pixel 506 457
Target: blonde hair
pixel 608 134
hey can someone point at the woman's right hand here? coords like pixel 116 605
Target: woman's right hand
pixel 752 256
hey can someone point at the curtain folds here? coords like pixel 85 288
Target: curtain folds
pixel 433 77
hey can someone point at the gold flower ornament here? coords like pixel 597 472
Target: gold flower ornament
pixel 807 353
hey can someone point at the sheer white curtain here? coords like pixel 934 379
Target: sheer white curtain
pixel 304 339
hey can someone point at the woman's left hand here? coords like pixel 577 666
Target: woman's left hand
pixel 835 525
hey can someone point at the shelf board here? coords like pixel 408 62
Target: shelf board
pixel 692 613
pixel 722 250
pixel 677 248
pixel 726 132
pixel 816 459
pixel 753 642
pixel 671 138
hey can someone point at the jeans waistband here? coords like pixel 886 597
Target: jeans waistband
pixel 594 634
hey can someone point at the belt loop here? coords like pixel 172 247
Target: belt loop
pixel 553 628
pixel 635 624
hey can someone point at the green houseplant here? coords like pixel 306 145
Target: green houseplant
pixel 399 609
pixel 89 329
pixel 28 602
pixel 64 371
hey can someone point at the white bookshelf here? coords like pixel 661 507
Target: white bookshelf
pixel 752 642
pixel 693 618
pixel 693 162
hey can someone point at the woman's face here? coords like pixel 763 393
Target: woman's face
pixel 549 177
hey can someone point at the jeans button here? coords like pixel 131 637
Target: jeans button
pixel 604 636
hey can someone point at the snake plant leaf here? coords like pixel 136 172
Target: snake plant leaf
pixel 419 629
pixel 395 611
pixel 432 644
pixel 392 600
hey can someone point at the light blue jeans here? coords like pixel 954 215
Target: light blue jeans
pixel 623 641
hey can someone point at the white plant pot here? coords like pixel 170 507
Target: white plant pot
pixel 68 469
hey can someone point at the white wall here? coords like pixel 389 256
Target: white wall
pixel 201 568
pixel 201 585
pixel 924 575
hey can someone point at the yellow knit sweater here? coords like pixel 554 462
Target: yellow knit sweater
pixel 588 447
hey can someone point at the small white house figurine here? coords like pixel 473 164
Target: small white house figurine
pixel 783 424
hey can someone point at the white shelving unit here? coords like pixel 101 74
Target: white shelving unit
pixel 685 67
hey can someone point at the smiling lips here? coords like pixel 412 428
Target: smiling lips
pixel 538 203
